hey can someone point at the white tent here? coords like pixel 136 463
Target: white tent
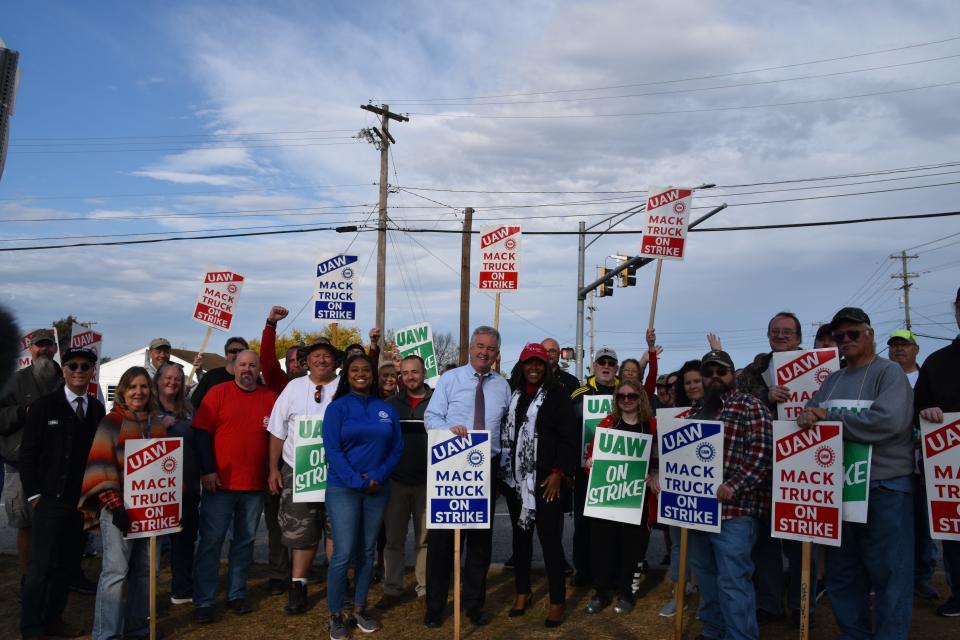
pixel 110 372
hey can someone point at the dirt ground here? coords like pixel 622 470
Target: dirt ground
pixel 406 620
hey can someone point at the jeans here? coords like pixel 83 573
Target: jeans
pixel 925 551
pixel 874 555
pixel 123 560
pixel 183 546
pixel 406 501
pixel 582 554
pixel 353 513
pixel 723 565
pixel 218 511
pixel 768 560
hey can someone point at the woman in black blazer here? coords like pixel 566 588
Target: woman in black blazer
pixel 538 451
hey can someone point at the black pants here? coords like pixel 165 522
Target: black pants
pixel 479 545
pixel 616 554
pixel 183 546
pixel 55 546
pixel 549 525
pixel 582 559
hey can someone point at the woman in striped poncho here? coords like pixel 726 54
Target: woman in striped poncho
pixel 134 416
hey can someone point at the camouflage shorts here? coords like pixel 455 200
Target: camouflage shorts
pixel 301 523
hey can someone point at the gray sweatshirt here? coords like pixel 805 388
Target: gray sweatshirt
pixel 875 404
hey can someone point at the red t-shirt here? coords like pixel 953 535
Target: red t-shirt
pixel 237 422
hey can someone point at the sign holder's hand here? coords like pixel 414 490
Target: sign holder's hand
pixel 811 416
pixel 778 394
pixel 933 414
pixel 460 431
pixel 724 493
pixel 210 482
pixel 654 482
pixel 551 486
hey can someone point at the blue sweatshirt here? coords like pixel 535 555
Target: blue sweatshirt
pixel 361 435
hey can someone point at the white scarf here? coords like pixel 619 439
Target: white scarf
pixel 518 464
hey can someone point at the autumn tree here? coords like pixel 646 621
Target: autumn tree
pixel 339 336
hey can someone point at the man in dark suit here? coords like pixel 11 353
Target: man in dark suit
pixel 57 437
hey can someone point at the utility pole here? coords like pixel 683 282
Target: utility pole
pixel 465 284
pixel 592 309
pixel 905 277
pixel 383 142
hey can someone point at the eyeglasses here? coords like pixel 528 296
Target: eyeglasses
pixel 607 362
pixel 234 352
pixel 851 334
pixel 632 397
pixel 318 394
pixel 717 370
pixel 83 366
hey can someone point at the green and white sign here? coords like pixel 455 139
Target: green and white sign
pixel 309 460
pixel 417 339
pixel 618 477
pixel 856 481
pixel 595 409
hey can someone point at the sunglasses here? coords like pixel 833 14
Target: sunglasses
pixel 83 366
pixel 720 370
pixel 607 362
pixel 318 394
pixel 633 397
pixel 851 334
pixel 234 352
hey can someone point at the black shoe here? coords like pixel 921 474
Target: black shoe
pixel 950 608
pixel 509 563
pixel 433 623
pixel 597 604
pixel 203 615
pixel 81 584
pixel 516 613
pixel 240 606
pixel 296 598
pixel 480 618
pixel 765 617
pixel 276 586
pixel 388 601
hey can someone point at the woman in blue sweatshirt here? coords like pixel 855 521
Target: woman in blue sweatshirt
pixel 363 442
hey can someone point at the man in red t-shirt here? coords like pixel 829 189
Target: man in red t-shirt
pixel 231 440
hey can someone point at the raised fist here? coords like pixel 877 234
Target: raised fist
pixel 277 313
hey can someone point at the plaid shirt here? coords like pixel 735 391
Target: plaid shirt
pixel 747 454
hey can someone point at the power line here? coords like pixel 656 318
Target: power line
pixel 691 79
pixel 274 146
pixel 192 135
pixel 188 193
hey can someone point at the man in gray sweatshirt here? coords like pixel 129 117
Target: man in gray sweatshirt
pixel 874 401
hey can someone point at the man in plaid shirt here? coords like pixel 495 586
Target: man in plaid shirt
pixel 722 561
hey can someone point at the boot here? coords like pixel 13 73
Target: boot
pixel 296 598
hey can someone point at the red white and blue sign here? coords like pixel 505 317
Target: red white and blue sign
pixel 335 289
pixel 691 470
pixel 458 480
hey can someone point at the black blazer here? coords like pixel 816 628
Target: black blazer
pixel 55 445
pixel 557 446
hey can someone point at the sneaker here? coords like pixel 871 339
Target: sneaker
pixel 363 622
pixel 509 563
pixel 642 568
pixel 296 598
pixel 623 605
pixel 338 630
pixel 180 599
pixel 203 615
pixel 240 606
pixel 669 608
pixel 949 609
pixel 925 590
pixel 597 604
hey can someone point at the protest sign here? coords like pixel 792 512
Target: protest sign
pixel 417 340
pixel 335 289
pixel 673 412
pixel 856 466
pixel 941 465
pixel 618 476
pixel 691 470
pixel 807 482
pixel 152 486
pixel 667 219
pixel 25 358
pixel 218 297
pixel 595 409
pixel 82 337
pixel 309 459
pixel 500 257
pixel 802 372
pixel 458 480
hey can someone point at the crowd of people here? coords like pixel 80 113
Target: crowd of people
pixel 241 426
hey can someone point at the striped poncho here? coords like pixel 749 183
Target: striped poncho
pixel 106 460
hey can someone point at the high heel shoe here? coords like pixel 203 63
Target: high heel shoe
pixel 514 613
pixel 551 623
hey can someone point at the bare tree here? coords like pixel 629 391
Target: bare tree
pixel 446 349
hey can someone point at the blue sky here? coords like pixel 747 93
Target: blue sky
pixel 185 106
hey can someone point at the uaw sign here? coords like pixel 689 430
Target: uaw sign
pixel 667 219
pixel 335 289
pixel 941 464
pixel 802 372
pixel 417 340
pixel 82 337
pixel 152 486
pixel 309 460
pixel 595 409
pixel 25 359
pixel 618 476
pixel 458 480
pixel 500 258
pixel 218 299
pixel 807 482
pixel 691 470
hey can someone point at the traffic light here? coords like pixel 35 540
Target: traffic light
pixel 628 277
pixel 606 287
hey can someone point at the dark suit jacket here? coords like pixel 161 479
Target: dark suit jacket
pixel 55 446
pixel 557 445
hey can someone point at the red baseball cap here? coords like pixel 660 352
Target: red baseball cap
pixel 534 350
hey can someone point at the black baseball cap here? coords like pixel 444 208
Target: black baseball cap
pixel 718 357
pixel 70 354
pixel 303 352
pixel 849 314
